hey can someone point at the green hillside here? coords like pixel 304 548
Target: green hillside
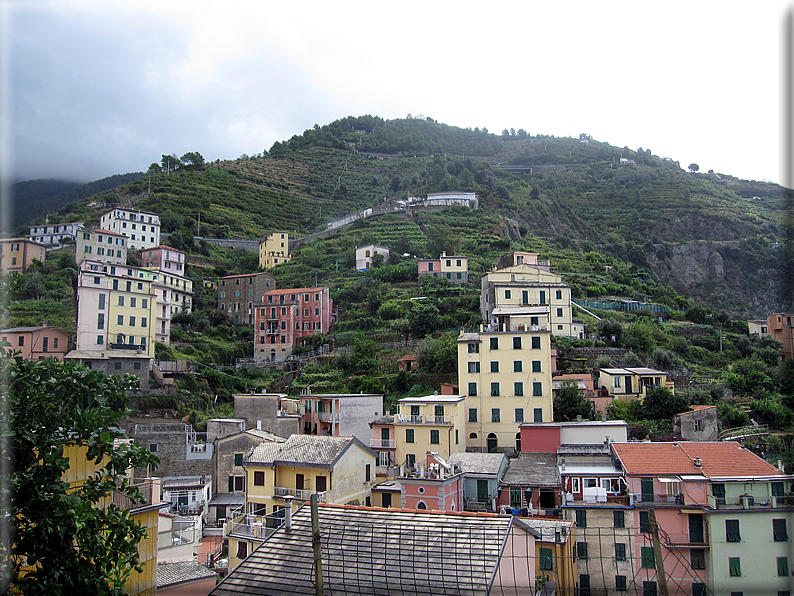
pixel 698 233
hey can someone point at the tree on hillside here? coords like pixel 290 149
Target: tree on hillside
pixel 660 403
pixel 170 163
pixel 570 403
pixel 693 167
pixel 69 538
pixel 193 158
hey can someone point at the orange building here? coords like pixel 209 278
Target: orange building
pixel 779 325
pixel 17 254
pixel 35 343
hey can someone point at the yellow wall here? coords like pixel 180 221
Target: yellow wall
pixel 446 433
pixel 271 251
pixel 507 401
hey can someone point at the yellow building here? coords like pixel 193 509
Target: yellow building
pixel 529 292
pixel 506 375
pixel 274 250
pixel 337 469
pixel 628 384
pixel 146 513
pixel 435 423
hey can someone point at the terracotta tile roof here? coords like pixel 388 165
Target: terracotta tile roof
pixel 295 291
pixel 718 459
pixel 695 409
pixel 377 551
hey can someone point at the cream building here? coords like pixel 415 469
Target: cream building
pixel 141 229
pixel 274 250
pixel 506 374
pixel 529 291
pixel 101 245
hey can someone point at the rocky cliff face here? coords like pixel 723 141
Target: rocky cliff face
pixel 721 275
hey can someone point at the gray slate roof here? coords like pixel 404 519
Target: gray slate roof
pixel 477 463
pixel 368 551
pixel 532 469
pixel 171 574
pixel 304 450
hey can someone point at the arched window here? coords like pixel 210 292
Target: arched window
pixel 421 505
pixel 518 443
pixel 368 254
pixel 473 436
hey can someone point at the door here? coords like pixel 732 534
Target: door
pixel 482 491
pixel 492 443
pixel 628 385
pixel 386 499
pixel 384 437
pixel 647 489
pixel 696 527
pixel 299 481
pixel 439 412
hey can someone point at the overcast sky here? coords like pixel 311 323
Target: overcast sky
pixel 93 88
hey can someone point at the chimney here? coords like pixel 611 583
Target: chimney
pixel 288 516
pixel 698 463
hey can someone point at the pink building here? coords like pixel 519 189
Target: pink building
pixel 284 317
pixel 35 343
pixel 432 488
pixel 164 258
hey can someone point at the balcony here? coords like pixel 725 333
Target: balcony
pixel 383 443
pixel 403 419
pixel 685 540
pixel 150 493
pixel 304 494
pixel 750 502
pixel 328 416
pixel 253 527
pixel 657 500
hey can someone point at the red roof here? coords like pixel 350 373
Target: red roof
pixel 717 460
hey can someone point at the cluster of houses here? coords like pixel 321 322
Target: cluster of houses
pixel 579 508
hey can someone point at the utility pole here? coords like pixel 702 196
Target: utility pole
pixel 657 553
pixel 318 554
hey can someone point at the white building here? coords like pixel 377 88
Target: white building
pixel 364 255
pixel 142 229
pixel 53 234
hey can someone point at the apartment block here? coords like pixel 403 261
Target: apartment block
pixel 274 250
pixel 116 308
pixel 142 229
pixel 421 425
pixel 340 414
pixel 54 234
pixel 238 295
pixel 17 254
pixel 529 292
pixel 506 374
pixel 286 316
pixel 165 258
pixel 101 245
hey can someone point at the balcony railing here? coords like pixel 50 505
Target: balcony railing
pixel 683 539
pixel 750 502
pixel 260 529
pixel 328 416
pixel 403 419
pixel 383 443
pixel 150 493
pixel 300 494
